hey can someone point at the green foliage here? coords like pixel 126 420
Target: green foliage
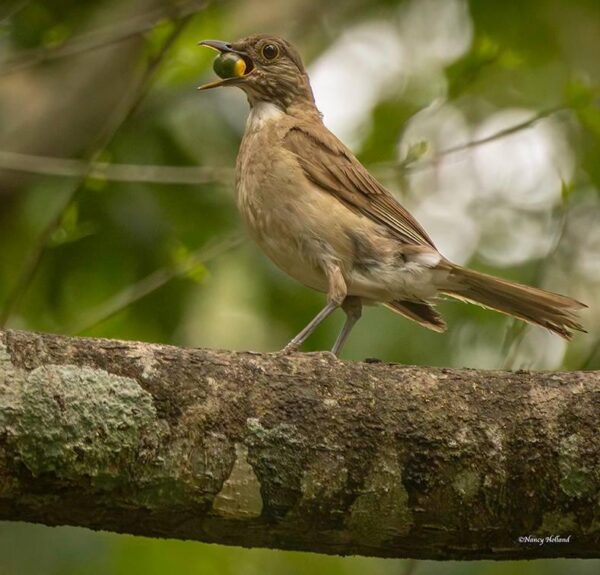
pixel 71 228
pixel 388 120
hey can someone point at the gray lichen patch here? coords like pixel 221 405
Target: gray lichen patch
pixel 77 421
pixel 9 406
pixel 558 523
pixel 426 383
pixel 325 476
pixel 4 355
pixel 186 470
pixel 10 392
pixel 144 355
pixel 594 526
pixel 466 484
pixel 240 496
pixel 576 478
pixel 277 455
pixel 547 404
pixel 382 512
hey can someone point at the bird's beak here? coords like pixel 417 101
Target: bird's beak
pixel 223 47
pixel 217 45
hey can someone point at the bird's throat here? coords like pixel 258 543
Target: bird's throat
pixel 261 113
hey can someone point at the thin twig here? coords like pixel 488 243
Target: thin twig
pixel 99 38
pixel 496 136
pixel 33 260
pixel 71 168
pixel 151 283
pixel 182 175
pixel 420 164
pixel 128 107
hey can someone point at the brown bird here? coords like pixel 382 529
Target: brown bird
pixel 318 213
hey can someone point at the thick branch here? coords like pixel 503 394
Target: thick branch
pixel 298 452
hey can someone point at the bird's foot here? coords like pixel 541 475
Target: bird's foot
pixel 334 351
pixel 290 348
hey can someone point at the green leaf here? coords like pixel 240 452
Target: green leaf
pixel 462 73
pixel 197 272
pixel 415 152
pixel 71 229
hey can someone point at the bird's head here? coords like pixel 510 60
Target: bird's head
pixel 268 68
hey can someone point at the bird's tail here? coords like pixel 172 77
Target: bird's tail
pixel 552 311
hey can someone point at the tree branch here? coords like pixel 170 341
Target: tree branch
pixel 417 163
pixel 102 38
pixel 298 452
pixel 152 282
pixel 122 113
pixel 541 115
pixel 69 167
pixel 73 168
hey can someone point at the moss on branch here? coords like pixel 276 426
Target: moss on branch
pixel 298 452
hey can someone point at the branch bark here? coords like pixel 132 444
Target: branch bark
pixel 298 452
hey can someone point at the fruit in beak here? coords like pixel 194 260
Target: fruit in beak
pixel 230 65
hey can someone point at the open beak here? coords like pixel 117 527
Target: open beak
pixel 217 45
pixel 223 47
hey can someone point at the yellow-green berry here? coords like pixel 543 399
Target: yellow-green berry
pixel 229 65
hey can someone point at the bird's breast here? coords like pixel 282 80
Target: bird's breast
pixel 283 213
pixel 305 230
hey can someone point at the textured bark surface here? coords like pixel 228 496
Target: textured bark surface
pixel 298 452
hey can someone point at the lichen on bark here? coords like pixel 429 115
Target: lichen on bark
pixel 298 452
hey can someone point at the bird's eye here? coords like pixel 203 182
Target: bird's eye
pixel 270 51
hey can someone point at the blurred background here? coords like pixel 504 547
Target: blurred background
pixel 117 216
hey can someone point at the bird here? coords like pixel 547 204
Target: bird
pixel 323 219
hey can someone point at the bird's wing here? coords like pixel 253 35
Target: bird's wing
pixel 329 164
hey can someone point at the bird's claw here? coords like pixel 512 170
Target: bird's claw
pixel 288 349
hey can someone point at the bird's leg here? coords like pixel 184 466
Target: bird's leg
pixel 335 297
pixel 352 305
pixel 295 343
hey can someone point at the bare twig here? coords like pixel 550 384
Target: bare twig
pixel 184 175
pixel 100 38
pixel 128 107
pixel 71 168
pixel 151 283
pixel 496 136
pixel 420 164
